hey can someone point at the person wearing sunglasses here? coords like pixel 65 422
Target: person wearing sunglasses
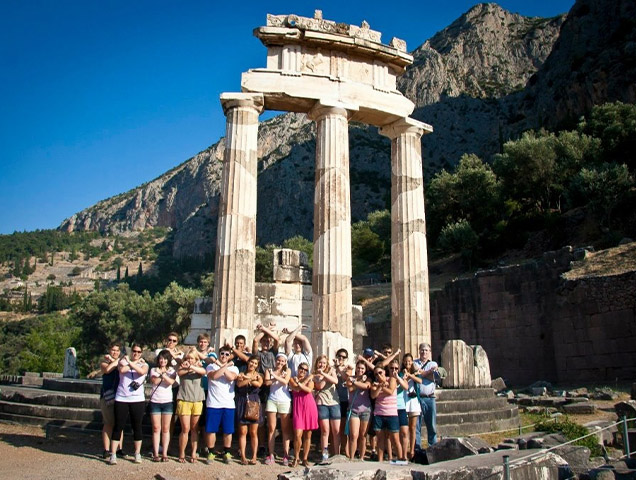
pixel 359 411
pixel 130 400
pixel 328 402
pixel 343 371
pixel 220 403
pixel 110 381
pixel 304 412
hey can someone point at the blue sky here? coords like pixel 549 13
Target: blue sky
pixel 98 97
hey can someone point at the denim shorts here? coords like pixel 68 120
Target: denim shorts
pixel 363 416
pixel 161 408
pixel 403 418
pixel 386 422
pixel 329 412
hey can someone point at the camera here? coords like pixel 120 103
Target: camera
pixel 134 385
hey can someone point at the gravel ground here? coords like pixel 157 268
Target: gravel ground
pixel 26 453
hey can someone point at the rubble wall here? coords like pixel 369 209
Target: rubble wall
pixel 534 324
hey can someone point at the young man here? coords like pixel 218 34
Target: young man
pixel 240 353
pixel 298 349
pixel 427 371
pixel 268 342
pixel 220 403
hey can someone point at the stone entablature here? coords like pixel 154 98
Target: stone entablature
pixel 312 59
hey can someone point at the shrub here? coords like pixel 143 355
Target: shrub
pixel 570 431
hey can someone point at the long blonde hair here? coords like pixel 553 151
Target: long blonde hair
pixel 321 357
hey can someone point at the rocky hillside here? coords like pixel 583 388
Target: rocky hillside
pixel 480 81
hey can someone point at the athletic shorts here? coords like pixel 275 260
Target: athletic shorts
pixel 222 418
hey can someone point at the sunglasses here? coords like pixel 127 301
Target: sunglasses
pixel 172 340
pixel 394 368
pixel 302 369
pixel 224 354
pixel 342 356
pixel 136 351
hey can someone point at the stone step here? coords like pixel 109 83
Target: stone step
pixel 20 419
pixel 33 395
pixel 456 394
pixel 72 385
pixel 482 404
pixel 477 417
pixel 472 428
pixel 48 411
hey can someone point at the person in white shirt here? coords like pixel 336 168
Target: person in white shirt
pixel 220 403
pixel 161 409
pixel 298 349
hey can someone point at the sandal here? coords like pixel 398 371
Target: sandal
pixel 243 461
pixel 294 463
pixel 252 461
pixel 165 459
pixel 182 460
pixel 193 459
pixel 155 458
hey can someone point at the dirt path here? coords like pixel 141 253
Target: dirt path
pixel 27 454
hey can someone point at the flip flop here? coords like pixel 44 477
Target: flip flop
pixel 252 461
pixel 193 460
pixel 182 460
pixel 165 459
pixel 155 458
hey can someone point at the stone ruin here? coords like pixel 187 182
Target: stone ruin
pixel 335 73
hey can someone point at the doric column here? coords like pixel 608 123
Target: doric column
pixel 233 309
pixel 331 280
pixel 410 311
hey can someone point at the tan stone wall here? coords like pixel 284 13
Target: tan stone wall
pixel 536 325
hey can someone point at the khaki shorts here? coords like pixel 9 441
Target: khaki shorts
pixel 189 408
pixel 108 411
pixel 278 407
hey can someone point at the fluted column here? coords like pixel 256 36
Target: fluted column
pixel 331 281
pixel 233 308
pixel 410 310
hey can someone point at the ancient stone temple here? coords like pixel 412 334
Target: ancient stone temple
pixel 335 73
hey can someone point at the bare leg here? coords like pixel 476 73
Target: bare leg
pixel 271 430
pixel 306 445
pixel 412 427
pixel 335 435
pixel 165 433
pixel 286 427
pixel 183 436
pixel 253 431
pixel 354 431
pixel 404 439
pixel 194 436
pixel 155 420
pixel 298 434
pixel 324 434
pixel 362 442
pixel 242 441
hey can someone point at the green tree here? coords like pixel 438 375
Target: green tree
pixel 265 263
pixel 615 125
pixel 459 237
pixel 605 187
pixel 207 284
pixel 46 342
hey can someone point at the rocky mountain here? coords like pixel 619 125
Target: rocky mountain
pixel 488 76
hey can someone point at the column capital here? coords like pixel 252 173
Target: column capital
pixel 405 125
pixel 245 100
pixel 325 107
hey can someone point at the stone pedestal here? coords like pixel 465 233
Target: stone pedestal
pixel 331 280
pixel 410 321
pixel 233 298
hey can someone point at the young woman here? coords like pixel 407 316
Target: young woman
pixel 342 371
pixel 412 400
pixel 403 419
pixel 161 408
pixel 386 424
pixel 190 402
pixel 278 404
pixel 304 412
pixel 248 385
pixel 328 402
pixel 359 410
pixel 110 381
pixel 129 400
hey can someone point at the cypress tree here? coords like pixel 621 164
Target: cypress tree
pixel 118 274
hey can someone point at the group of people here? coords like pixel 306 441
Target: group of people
pixel 378 399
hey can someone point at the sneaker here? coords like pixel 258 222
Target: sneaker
pixel 227 456
pixel 106 454
pixel 113 459
pixel 269 460
pixel 121 454
pixel 210 458
pixel 325 455
pixel 137 458
pixel 398 462
pixel 285 461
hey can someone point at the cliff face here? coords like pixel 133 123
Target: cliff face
pixel 485 78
